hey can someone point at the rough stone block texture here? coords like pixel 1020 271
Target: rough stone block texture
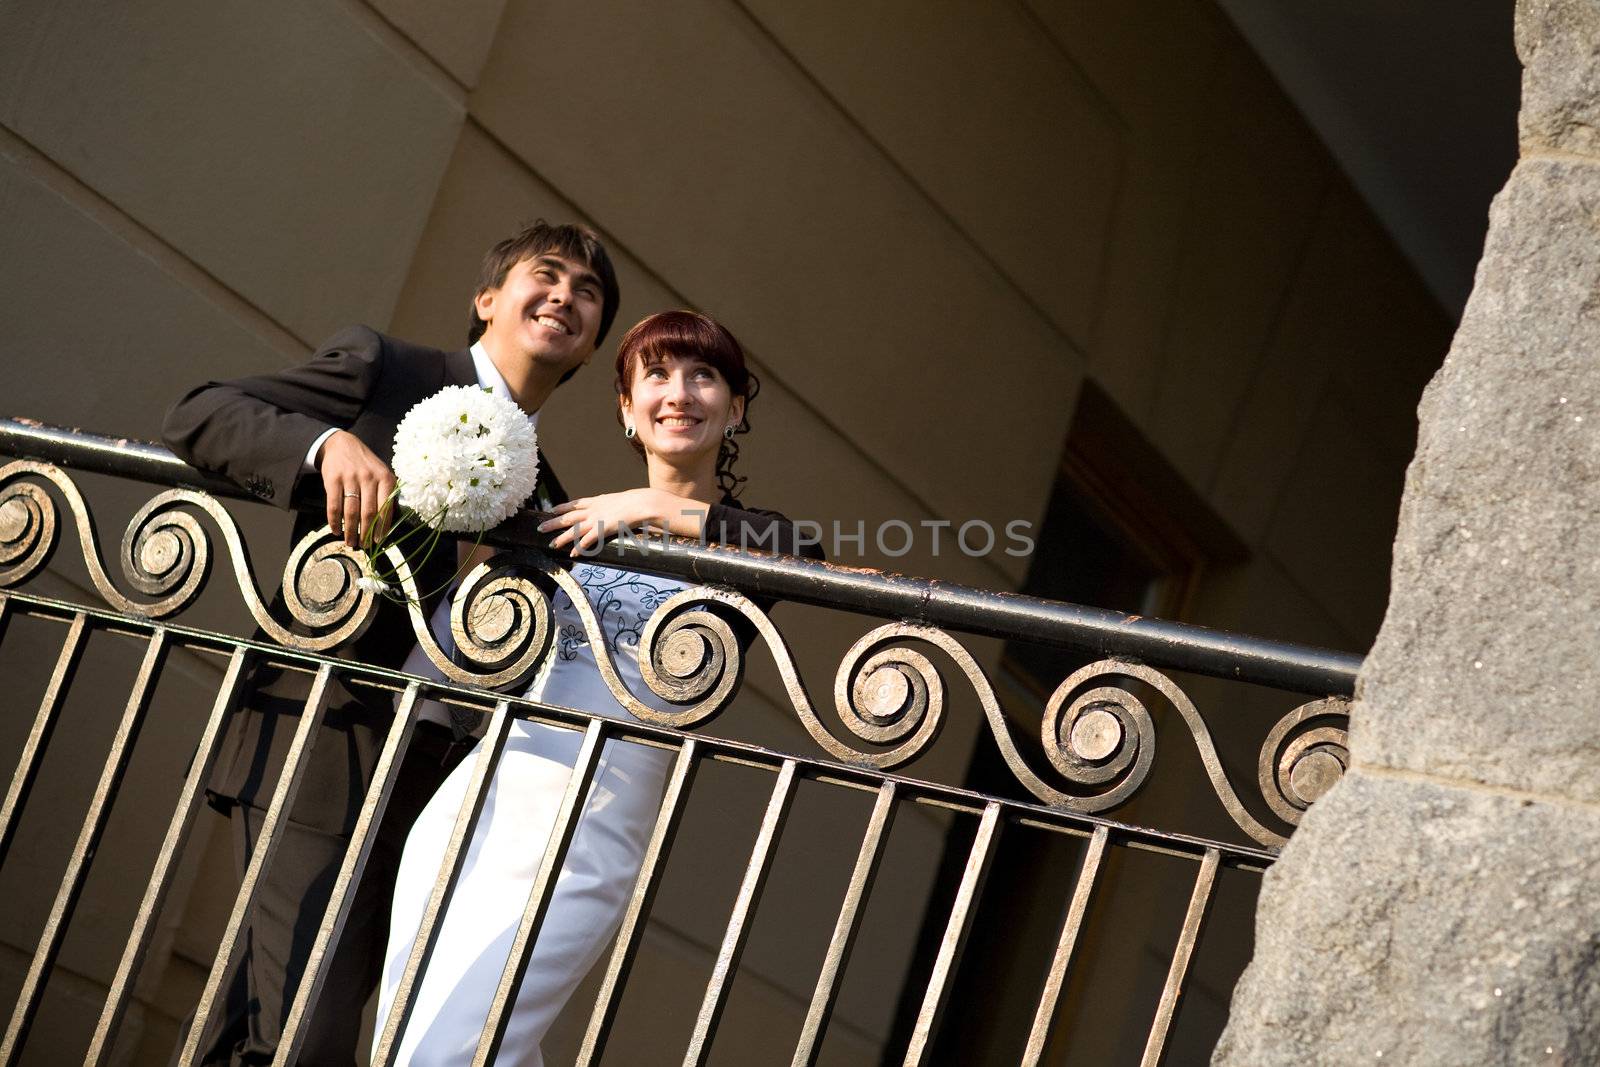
pixel 1485 666
pixel 1559 42
pixel 1413 923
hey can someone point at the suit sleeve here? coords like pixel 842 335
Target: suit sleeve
pixel 256 431
pixel 756 528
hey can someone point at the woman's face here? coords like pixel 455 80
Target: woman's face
pixel 679 408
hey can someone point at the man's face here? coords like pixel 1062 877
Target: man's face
pixel 547 311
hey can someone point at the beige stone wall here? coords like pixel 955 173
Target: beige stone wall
pixel 928 222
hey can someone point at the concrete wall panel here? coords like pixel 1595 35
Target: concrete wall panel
pixel 1256 188
pixel 1333 533
pixel 988 116
pixel 458 36
pixel 1153 62
pixel 99 330
pixel 1321 322
pixel 732 175
pixel 1351 316
pixel 286 149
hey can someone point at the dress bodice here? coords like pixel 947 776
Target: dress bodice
pixel 623 602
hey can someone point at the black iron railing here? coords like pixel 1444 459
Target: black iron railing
pixel 1098 738
pixel 1171 645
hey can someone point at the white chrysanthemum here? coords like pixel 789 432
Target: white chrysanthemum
pixel 373 584
pixel 465 459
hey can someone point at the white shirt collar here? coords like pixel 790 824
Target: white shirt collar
pixel 490 378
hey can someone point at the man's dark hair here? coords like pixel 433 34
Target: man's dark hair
pixel 577 243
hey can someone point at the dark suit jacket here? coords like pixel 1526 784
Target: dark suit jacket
pixel 256 431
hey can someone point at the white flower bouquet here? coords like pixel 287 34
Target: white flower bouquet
pixel 464 462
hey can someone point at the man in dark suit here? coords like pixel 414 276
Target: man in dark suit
pixel 545 299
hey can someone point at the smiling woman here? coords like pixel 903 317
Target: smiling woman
pixel 682 391
pixel 680 368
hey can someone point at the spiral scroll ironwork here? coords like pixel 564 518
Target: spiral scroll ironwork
pixel 28 528
pixel 166 553
pixel 884 691
pixel 1093 734
pixel 1306 752
pixel 889 696
pixel 1114 744
pixel 689 654
pixel 320 591
pixel 163 556
pixel 688 651
pixel 500 620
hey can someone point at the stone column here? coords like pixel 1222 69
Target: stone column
pixel 1441 905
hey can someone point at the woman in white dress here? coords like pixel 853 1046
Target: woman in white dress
pixel 683 392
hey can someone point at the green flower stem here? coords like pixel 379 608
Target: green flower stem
pixel 432 527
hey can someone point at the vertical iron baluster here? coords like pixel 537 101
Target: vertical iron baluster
pixel 376 802
pixel 387 1041
pixel 44 723
pixel 733 939
pixel 5 614
pixel 94 824
pixel 544 885
pixel 178 828
pixel 644 891
pixel 955 934
pixel 1071 924
pixel 846 928
pixel 1193 922
pixel 283 794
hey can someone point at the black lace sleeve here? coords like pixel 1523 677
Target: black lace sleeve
pixel 759 530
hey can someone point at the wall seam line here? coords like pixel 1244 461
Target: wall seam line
pixel 36 165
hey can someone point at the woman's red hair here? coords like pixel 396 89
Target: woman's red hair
pixel 691 335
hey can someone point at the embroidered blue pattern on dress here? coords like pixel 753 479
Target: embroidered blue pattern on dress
pixel 623 602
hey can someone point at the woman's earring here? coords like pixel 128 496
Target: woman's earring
pixel 628 431
pixel 727 433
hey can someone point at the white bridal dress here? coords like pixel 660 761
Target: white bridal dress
pixel 453 996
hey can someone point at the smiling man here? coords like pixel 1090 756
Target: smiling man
pixel 545 298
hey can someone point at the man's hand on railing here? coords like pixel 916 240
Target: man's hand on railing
pixel 357 483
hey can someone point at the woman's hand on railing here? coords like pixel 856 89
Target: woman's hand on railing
pixel 587 521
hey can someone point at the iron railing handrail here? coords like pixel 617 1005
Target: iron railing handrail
pixel 365 675
pixel 929 601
